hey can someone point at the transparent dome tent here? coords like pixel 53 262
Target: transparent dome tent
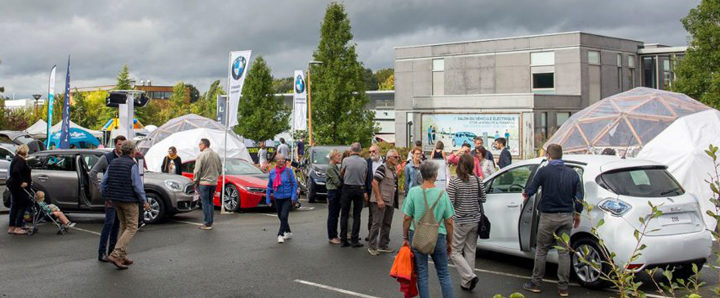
pixel 180 124
pixel 624 122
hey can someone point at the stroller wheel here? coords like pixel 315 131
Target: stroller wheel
pixel 32 231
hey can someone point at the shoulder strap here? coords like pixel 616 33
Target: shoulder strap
pixel 442 192
pixel 480 204
pixel 425 199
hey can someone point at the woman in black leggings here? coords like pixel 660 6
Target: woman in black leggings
pixel 19 179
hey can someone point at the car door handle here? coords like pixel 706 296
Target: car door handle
pixel 42 178
pixel 513 205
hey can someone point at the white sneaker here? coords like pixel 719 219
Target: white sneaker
pixel 287 235
pixel 373 252
pixel 281 239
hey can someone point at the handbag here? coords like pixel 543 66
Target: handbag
pixel 426 229
pixel 484 224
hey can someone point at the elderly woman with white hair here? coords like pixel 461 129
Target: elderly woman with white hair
pixel 282 186
pixel 19 179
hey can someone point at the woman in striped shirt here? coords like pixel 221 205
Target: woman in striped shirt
pixel 466 192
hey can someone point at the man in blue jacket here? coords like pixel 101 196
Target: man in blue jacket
pixel 123 186
pixel 283 188
pixel 560 208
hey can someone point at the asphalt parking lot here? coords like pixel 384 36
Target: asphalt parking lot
pixel 239 258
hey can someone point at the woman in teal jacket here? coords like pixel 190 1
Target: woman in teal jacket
pixel 283 188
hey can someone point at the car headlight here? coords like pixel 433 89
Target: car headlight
pixel 615 207
pixel 173 185
pixel 319 174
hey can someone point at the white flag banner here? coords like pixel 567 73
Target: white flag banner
pixel 238 66
pixel 300 101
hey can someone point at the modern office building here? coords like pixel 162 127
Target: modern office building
pixel 520 88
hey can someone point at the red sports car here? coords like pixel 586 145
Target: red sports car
pixel 244 184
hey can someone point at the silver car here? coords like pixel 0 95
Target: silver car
pixel 64 177
pixel 619 190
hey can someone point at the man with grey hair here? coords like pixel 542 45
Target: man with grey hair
pixel 123 186
pixel 382 200
pixel 354 173
pixel 373 163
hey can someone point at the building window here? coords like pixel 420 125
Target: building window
pixel 631 67
pixel 593 57
pixel 543 125
pixel 543 80
pixel 438 76
pixel 561 117
pixel 542 58
pixel 631 61
pixel 649 72
pixel 619 60
pixel 619 72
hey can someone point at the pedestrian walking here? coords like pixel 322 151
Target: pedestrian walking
pixel 263 157
pixel 123 186
pixel 419 201
pixel 467 193
pixel 333 183
pixel 505 156
pixel 283 148
pixel 412 170
pixel 438 153
pixel 172 163
pixel 383 201
pixel 207 170
pixel 282 186
pixel 373 163
pixel 300 149
pixel 19 179
pixel 111 224
pixel 560 208
pixel 353 173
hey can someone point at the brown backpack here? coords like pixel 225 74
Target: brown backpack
pixel 426 229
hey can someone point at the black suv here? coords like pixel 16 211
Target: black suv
pixel 312 170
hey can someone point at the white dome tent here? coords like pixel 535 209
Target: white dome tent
pixel 682 147
pixel 179 124
pixel 187 142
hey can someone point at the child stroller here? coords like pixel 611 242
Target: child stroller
pixel 37 214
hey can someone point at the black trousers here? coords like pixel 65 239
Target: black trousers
pixel 283 210
pixel 352 195
pixel 19 203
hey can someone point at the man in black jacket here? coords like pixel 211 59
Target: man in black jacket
pixel 560 208
pixel 505 156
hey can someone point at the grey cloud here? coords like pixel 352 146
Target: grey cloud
pixel 169 41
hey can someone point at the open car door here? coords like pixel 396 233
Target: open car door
pixel 530 216
pixel 91 184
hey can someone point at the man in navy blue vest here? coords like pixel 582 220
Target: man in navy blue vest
pixel 111 227
pixel 123 186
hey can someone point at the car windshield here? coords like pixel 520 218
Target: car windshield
pixel 641 182
pixel 321 156
pixel 241 167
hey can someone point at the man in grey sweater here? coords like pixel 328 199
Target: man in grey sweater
pixel 207 169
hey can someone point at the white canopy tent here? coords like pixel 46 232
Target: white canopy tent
pixel 681 146
pixel 187 142
pixel 39 129
pixel 179 124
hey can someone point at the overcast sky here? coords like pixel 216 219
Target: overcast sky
pixel 169 41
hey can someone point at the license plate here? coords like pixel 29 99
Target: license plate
pixel 675 219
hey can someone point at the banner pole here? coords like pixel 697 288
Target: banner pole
pixel 227 123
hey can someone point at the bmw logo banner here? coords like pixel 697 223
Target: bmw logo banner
pixel 237 70
pixel 299 101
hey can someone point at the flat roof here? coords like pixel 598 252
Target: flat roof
pixel 512 37
pixel 662 50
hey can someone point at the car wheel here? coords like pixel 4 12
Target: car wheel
pixel 157 210
pixel 587 275
pixel 231 201
pixel 312 194
pixel 685 271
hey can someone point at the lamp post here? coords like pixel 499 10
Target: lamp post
pixel 309 102
pixel 36 97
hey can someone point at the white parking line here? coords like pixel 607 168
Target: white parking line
pixel 86 231
pixel 188 222
pixel 271 215
pixel 326 287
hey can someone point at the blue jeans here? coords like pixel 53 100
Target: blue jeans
pixel 440 258
pixel 283 209
pixel 333 213
pixel 109 232
pixel 207 192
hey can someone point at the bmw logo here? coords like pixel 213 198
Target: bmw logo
pixel 299 84
pixel 238 67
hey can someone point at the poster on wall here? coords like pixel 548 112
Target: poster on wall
pixel 455 129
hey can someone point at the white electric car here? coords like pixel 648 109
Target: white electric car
pixel 619 191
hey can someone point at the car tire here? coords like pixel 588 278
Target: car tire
pixel 158 209
pixel 586 275
pixel 312 194
pixel 685 271
pixel 232 198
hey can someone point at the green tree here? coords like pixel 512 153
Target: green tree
pixel 89 109
pixel 389 83
pixel 371 82
pixel 123 79
pixel 261 115
pixel 698 73
pixel 206 106
pixel 283 85
pixel 338 85
pixel 194 93
pixel 382 75
pixel 178 104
